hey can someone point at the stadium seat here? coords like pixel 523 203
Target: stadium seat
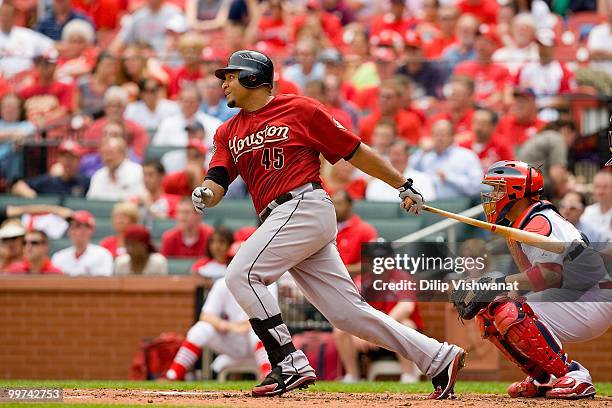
pixel 96 207
pixel 180 266
pixel 57 244
pixel 242 209
pixel 161 226
pixel 156 152
pixel 391 230
pixel 371 209
pixel 43 199
pixel 104 228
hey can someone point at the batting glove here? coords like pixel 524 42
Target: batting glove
pixel 407 191
pixel 200 198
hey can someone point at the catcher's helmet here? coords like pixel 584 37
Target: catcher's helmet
pixel 254 69
pixel 507 182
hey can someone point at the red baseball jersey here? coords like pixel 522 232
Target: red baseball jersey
pixel 276 148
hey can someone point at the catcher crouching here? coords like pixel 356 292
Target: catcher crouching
pixel 568 296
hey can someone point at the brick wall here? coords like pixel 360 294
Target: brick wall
pixel 89 328
pixel 86 328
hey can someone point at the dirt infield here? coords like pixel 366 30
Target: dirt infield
pixel 310 399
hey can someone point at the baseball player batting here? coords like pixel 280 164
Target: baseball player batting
pixel 569 295
pixel 274 144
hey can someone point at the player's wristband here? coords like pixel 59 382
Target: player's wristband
pixel 406 186
pixel 219 175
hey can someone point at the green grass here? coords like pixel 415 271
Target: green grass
pixel 321 386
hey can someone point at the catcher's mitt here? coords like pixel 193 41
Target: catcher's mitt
pixel 469 302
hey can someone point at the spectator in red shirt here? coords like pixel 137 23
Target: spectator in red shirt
pixel 460 106
pixel 485 10
pixel 522 122
pixel 273 29
pixel 335 97
pixel 214 264
pixel 155 202
pixel 341 176
pixel 78 54
pixel 124 215
pixel 352 232
pixel 492 82
pixel 190 236
pixel 395 20
pixel 389 106
pixel 385 59
pixel 116 100
pixel 326 26
pixel 47 99
pixel 445 36
pixel 190 47
pixel 36 256
pixel 484 141
pixel 183 182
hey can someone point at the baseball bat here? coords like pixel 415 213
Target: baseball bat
pixel 530 238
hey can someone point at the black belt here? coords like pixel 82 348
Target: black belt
pixel 283 198
pixel 576 251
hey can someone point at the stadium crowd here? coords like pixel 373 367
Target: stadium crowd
pixel 114 100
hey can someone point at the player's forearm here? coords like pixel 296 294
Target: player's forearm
pixel 370 162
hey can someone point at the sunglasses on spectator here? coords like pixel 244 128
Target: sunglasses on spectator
pixel 150 90
pixel 34 242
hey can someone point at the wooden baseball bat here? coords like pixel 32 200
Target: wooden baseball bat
pixel 530 238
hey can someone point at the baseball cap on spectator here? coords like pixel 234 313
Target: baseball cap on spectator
pixel 12 229
pixel 84 217
pixel 177 24
pixel 412 39
pixel 138 233
pixel 331 56
pixel 546 37
pixel 488 31
pixel 198 145
pixel 70 146
pixel 524 92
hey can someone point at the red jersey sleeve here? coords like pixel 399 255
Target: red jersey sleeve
pixel 327 136
pixel 221 154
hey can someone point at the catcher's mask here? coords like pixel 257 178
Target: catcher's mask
pixel 506 182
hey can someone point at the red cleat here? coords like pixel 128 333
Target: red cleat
pixel 570 388
pixel 526 389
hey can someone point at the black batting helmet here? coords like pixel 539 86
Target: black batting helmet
pixel 254 69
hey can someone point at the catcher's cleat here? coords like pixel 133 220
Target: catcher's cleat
pixel 277 383
pixel 570 388
pixel 444 382
pixel 526 389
